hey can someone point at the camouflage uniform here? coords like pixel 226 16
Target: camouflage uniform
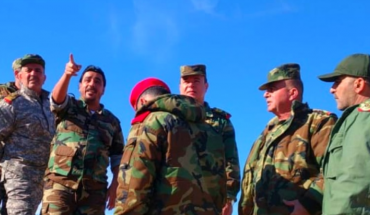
pixel 5 89
pixel 76 177
pixel 347 158
pixel 220 121
pixel 284 162
pixel 173 163
pixel 26 127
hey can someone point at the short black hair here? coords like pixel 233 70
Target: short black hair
pixel 154 91
pixel 92 68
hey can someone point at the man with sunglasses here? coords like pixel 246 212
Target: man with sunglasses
pixel 281 174
pixel 88 136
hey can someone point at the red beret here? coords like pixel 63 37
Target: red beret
pixel 143 85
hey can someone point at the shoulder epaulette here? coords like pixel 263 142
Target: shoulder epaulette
pixel 10 98
pixel 221 112
pixel 322 112
pixel 364 107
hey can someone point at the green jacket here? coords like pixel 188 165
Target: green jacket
pixel 220 121
pixel 347 164
pixel 173 162
pixel 284 163
pixel 84 145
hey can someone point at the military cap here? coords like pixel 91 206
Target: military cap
pixel 198 69
pixel 32 58
pixel 143 85
pixel 283 72
pixel 357 65
pixel 16 65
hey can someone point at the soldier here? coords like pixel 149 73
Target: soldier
pixel 284 163
pixel 194 83
pixel 6 89
pixel 88 136
pixel 26 128
pixel 11 87
pixel 162 170
pixel 346 162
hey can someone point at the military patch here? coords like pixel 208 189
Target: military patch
pixel 9 98
pixel 364 107
pixel 222 113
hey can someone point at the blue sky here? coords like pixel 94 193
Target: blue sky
pixel 238 40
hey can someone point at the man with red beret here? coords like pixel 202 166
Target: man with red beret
pixel 160 171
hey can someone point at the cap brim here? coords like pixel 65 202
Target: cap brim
pixel 192 73
pixel 331 77
pixel 265 85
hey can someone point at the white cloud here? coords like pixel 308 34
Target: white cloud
pixel 280 8
pixel 207 6
pixel 155 30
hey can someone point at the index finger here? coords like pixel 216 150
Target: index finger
pixel 71 59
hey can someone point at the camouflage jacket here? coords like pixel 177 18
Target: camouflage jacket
pixel 173 162
pixel 6 89
pixel 83 144
pixel 26 127
pixel 346 163
pixel 284 163
pixel 220 121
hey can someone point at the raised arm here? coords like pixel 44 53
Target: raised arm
pixel 59 92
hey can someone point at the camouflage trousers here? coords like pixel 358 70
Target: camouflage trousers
pixel 3 198
pixel 61 200
pixel 23 185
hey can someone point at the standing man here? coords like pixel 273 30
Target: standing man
pixel 5 90
pixel 10 87
pixel 26 128
pixel 283 166
pixel 346 164
pixel 162 169
pixel 88 136
pixel 194 83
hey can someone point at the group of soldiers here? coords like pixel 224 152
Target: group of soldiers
pixel 181 155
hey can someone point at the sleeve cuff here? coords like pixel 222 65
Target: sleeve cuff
pixel 115 160
pixel 57 107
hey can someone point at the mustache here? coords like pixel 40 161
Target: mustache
pixel 91 88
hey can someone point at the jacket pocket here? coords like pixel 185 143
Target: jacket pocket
pixel 335 156
pixel 63 160
pixel 124 175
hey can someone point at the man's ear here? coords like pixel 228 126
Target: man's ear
pixel 293 94
pixel 359 85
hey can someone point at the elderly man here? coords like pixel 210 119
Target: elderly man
pixel 284 163
pixel 26 128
